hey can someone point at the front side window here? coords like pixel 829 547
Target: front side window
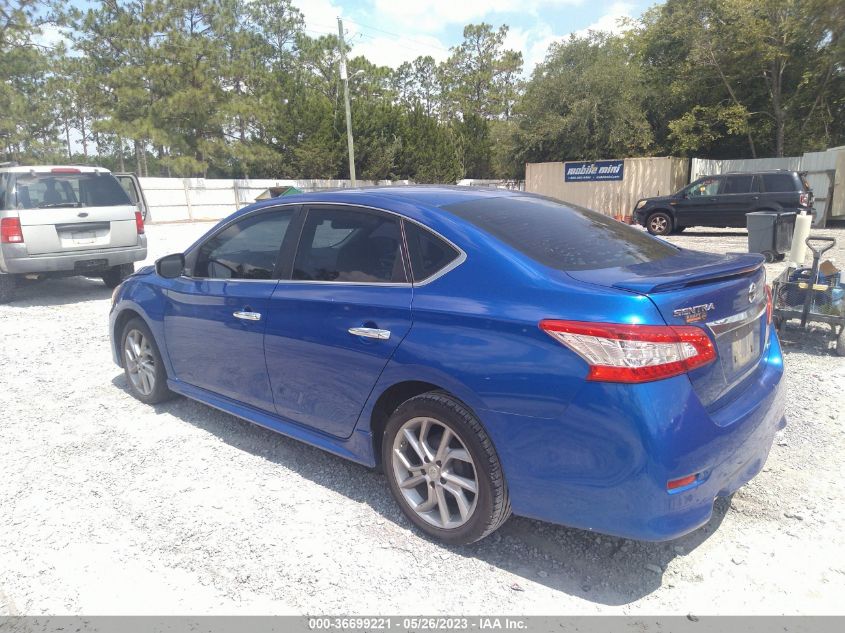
pixel 705 187
pixel 247 249
pixel 345 245
pixel 737 184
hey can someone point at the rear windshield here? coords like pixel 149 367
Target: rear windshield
pixel 52 190
pixel 562 236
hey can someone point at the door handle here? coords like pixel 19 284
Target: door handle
pixel 370 332
pixel 755 197
pixel 245 315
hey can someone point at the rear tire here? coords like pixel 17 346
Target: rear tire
pixel 115 275
pixel 460 495
pixel 769 256
pixel 840 341
pixel 142 364
pixel 659 223
pixel 7 288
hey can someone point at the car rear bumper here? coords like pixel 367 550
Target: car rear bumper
pixel 15 259
pixel 605 463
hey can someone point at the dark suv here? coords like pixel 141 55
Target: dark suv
pixel 724 200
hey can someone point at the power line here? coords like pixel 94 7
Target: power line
pixel 397 35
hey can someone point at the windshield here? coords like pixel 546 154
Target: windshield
pixel 52 190
pixel 562 236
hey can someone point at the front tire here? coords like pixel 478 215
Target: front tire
pixel 659 223
pixel 115 275
pixel 142 364
pixel 443 471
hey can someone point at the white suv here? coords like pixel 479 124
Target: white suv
pixel 60 221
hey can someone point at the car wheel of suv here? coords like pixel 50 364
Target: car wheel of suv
pixel 659 223
pixel 7 288
pixel 443 470
pixel 115 275
pixel 145 373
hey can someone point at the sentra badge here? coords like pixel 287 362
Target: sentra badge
pixel 694 313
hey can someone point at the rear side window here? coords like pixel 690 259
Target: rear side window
pixel 346 245
pixel 773 183
pixel 562 236
pixel 52 190
pixel 737 184
pixel 428 253
pixel 247 249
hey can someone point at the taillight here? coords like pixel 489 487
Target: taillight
pixel 618 352
pixel 10 231
pixel 139 222
pixel 804 199
pixel 768 303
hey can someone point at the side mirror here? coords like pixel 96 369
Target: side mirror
pixel 170 266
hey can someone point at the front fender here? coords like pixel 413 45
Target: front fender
pixel 146 300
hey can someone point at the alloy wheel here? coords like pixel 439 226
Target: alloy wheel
pixel 140 362
pixel 659 224
pixel 435 472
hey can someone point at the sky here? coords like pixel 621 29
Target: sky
pixel 389 32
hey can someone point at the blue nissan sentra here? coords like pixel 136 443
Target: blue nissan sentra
pixel 493 352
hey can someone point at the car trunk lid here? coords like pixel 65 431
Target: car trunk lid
pixel 724 294
pixel 69 229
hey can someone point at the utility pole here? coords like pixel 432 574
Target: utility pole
pixel 345 77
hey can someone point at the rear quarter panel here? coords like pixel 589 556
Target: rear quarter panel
pixel 476 333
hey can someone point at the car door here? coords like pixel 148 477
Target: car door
pixel 132 186
pixel 697 206
pixel 215 315
pixel 335 323
pixel 736 198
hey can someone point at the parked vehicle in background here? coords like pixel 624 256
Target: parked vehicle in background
pixel 723 201
pixel 132 186
pixel 493 351
pixel 62 221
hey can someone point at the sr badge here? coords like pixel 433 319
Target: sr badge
pixel 694 313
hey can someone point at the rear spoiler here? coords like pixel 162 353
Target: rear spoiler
pixel 739 265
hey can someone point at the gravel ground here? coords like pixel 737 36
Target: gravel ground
pixel 110 506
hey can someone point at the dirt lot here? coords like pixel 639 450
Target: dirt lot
pixel 110 506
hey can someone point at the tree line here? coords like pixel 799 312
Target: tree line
pixel 235 88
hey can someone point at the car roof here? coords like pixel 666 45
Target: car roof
pixel 25 169
pixel 757 171
pixel 424 195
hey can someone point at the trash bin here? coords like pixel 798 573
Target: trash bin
pixel 770 233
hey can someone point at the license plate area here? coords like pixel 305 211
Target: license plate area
pixel 91 265
pixel 83 237
pixel 744 346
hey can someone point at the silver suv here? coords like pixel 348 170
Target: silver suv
pixel 61 221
